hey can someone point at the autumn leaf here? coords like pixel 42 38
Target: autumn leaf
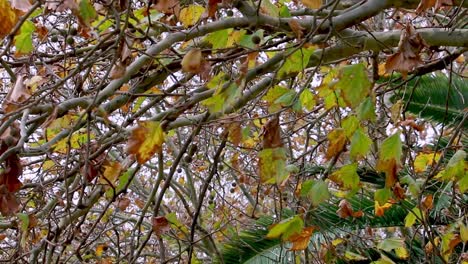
pixel 145 140
pixel 389 158
pixel 427 202
pixel 212 7
pixel 286 228
pixel 360 145
pixel 123 203
pixel 307 99
pixel 423 160
pixel 345 209
pixel 272 134
pixel 192 61
pixel 190 15
pixel 354 84
pixel 8 17
pixel 8 203
pixel 407 56
pixel 379 210
pixel 301 240
pixel 272 165
pixel 296 28
pixel 160 225
pixel 168 7
pixel 296 62
pixel 313 4
pixel 16 96
pixel 112 170
pixel 337 142
pixel 346 177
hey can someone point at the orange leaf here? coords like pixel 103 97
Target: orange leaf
pixel 380 210
pixel 301 241
pixel 427 202
pixel 145 140
pixel 8 17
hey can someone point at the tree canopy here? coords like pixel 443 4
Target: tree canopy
pixel 226 131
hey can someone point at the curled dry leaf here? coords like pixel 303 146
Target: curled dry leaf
pixel 17 95
pixel 212 7
pixel 272 134
pixel 407 56
pixel 192 61
pixel 8 202
pixel 160 225
pixel 296 28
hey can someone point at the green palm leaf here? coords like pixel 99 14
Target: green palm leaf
pixel 436 98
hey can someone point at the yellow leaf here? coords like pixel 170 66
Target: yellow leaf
pixel 463 232
pixel 190 15
pixel 145 140
pixel 425 159
pixel 314 4
pixel 402 253
pixel 100 249
pixel 111 173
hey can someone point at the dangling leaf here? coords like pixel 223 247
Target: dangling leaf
pixel 145 140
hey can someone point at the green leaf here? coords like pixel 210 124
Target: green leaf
pixel 269 8
pixel 218 39
pixel 319 193
pixel 354 84
pixel 463 183
pixel 286 99
pixel 382 195
pixel 222 99
pixel 353 256
pixel 272 165
pixel 296 62
pixel 284 11
pixel 87 12
pixel 350 124
pixel 455 168
pixel 23 40
pixel 274 93
pixel 390 244
pixel 414 215
pixel 307 99
pixel 391 148
pixel 360 145
pixel 286 228
pixel 346 176
pixel 217 81
pixel 366 110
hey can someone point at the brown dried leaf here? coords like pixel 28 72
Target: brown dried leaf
pixel 160 225
pixel 8 203
pixel 407 56
pixel 167 7
pixel 9 176
pixel 399 191
pixel 296 28
pixel 212 7
pixel 123 203
pixel 192 61
pixel 117 71
pixel 314 4
pixel 345 209
pixel 235 133
pixel 16 96
pixel 272 134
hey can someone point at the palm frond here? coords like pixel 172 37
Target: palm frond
pixel 436 98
